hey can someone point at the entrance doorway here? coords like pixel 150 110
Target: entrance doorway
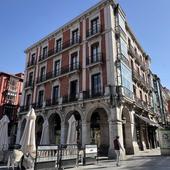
pixel 99 132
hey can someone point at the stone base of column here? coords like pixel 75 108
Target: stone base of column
pixel 136 148
pixel 111 153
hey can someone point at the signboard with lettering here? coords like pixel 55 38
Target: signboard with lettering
pixel 91 150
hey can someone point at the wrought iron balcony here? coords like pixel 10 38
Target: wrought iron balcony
pixel 51 102
pixel 63 70
pixel 31 63
pixel 71 42
pixel 134 54
pixel 131 51
pixel 95 59
pixel 136 76
pixel 93 94
pixel 37 105
pixel 24 108
pixel 94 31
pixel 57 50
pixel 29 84
pixel 121 57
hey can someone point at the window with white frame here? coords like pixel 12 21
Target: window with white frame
pixel 55 94
pixel 95 25
pixel 58 45
pixel 40 98
pixel 45 52
pixel 95 53
pixel 57 68
pixel 75 36
pixel 42 73
pixel 74 61
pixel 96 84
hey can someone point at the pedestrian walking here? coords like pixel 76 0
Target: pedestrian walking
pixel 117 147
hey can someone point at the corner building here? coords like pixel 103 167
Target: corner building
pixel 93 68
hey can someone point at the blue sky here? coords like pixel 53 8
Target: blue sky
pixel 23 22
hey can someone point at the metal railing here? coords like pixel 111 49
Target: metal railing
pixel 59 72
pixel 31 63
pixel 56 50
pixel 93 31
pixel 98 58
pixel 29 84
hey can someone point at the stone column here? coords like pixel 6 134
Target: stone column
pixel 134 136
pixel 85 133
pixel 63 133
pixel 18 132
pixel 115 129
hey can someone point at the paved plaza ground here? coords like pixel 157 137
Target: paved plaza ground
pixel 148 160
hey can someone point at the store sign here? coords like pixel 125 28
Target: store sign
pixel 91 150
pixel 164 136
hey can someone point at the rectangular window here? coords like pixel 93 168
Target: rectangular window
pixel 33 59
pixel 73 89
pixel 57 68
pixel 30 81
pixel 42 74
pixel 58 45
pixel 95 26
pixel 75 36
pixel 55 94
pixel 74 63
pixel 40 98
pixel 28 100
pixel 96 84
pixel 45 52
pixel 95 53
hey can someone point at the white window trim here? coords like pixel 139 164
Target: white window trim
pixel 53 85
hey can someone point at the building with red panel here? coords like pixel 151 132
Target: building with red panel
pixel 10 95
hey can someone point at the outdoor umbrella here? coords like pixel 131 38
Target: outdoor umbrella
pixel 4 133
pixel 45 133
pixel 28 138
pixel 71 137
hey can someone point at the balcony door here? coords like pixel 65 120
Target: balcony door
pixel 94 25
pixel 73 89
pixel 75 36
pixel 40 98
pixel 28 100
pixel 58 45
pixel 57 68
pixel 96 84
pixel 94 52
pixel 30 79
pixel 42 73
pixel 55 94
pixel 74 61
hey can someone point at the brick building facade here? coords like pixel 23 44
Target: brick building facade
pixel 95 69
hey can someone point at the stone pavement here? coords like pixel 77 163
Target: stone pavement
pixel 148 160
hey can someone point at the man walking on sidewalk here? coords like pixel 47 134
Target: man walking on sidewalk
pixel 117 147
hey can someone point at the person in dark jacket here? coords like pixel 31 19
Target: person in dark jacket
pixel 117 147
